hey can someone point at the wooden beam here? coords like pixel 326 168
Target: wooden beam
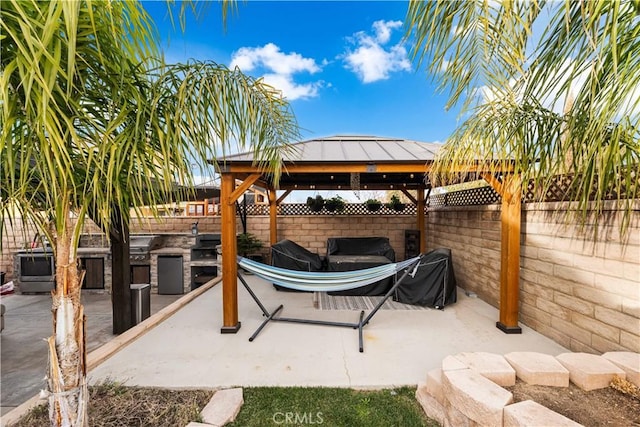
pixel 230 323
pixel 510 217
pixel 284 196
pixel 409 196
pixel 248 182
pixel 273 216
pixel 418 167
pixel 420 205
pixel 494 182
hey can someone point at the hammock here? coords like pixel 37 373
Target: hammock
pixel 324 281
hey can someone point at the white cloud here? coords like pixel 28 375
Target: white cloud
pixel 383 30
pixel 371 60
pixel 291 89
pixel 278 69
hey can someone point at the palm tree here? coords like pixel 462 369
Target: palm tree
pixel 91 126
pixel 552 88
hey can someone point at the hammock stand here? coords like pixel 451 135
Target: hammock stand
pixel 271 274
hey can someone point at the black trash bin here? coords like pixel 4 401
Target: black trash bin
pixel 140 302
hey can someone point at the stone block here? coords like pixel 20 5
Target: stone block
pixel 454 418
pixel 434 384
pixel 628 361
pixel 529 413
pixel 477 397
pixel 538 368
pixel 223 407
pixel 451 363
pixel 589 371
pixel 432 408
pixel 492 366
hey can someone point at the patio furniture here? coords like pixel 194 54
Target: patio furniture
pixel 359 262
pixel 290 255
pixel 434 283
pixel 354 253
pixel 324 281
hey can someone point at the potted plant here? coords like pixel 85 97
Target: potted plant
pixel 395 204
pixel 335 204
pixel 315 203
pixel 373 205
pixel 248 245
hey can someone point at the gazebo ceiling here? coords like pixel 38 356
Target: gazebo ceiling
pixel 340 162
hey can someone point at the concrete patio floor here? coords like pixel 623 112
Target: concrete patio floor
pixel 28 322
pixel 187 350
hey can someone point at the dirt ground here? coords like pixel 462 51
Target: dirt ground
pixel 596 408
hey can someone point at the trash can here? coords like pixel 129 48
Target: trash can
pixel 140 301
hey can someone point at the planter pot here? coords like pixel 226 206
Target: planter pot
pixel 373 208
pixel 399 207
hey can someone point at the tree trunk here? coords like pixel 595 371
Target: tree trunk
pixel 67 372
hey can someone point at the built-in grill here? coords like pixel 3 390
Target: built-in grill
pixel 140 247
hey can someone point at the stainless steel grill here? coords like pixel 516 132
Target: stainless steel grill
pixel 140 247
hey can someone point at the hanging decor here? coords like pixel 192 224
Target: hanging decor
pixel 355 181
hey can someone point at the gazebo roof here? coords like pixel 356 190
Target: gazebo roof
pixel 329 162
pixel 354 148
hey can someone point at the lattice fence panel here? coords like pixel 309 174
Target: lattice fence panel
pixel 561 188
pixel 471 197
pixel 349 209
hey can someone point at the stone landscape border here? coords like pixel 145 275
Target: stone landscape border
pixel 468 389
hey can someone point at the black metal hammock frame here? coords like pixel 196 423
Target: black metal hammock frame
pixel 410 268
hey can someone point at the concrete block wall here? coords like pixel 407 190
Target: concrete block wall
pixel 585 296
pixel 312 231
pixel 473 235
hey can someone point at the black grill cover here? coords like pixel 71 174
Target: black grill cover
pixel 292 256
pixel 361 246
pixel 434 284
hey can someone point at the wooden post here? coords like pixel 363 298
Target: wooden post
pixel 510 255
pixel 120 273
pixel 421 219
pixel 273 216
pixel 230 323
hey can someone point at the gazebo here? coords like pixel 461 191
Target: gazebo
pixel 357 162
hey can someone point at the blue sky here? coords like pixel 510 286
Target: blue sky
pixel 342 65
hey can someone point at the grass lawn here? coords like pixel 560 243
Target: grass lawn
pixel 272 406
pixel 117 405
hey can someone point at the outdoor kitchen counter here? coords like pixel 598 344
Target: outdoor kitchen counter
pixel 93 250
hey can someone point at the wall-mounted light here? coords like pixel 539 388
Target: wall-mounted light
pixel 331 176
pixel 411 176
pixel 384 176
pixel 295 186
pixel 194 228
pixel 391 186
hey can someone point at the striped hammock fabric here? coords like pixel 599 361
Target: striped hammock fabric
pixel 323 281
